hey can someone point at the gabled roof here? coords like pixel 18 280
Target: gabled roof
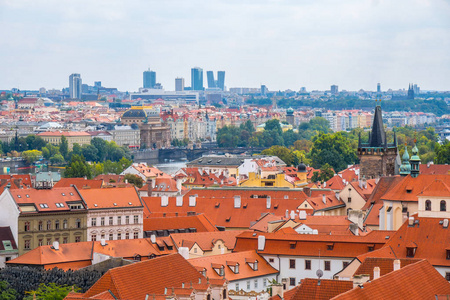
pixel 126 197
pixel 245 271
pixel 436 189
pixel 409 187
pixel 206 240
pixel 154 276
pixel 415 281
pixel 317 289
pixel 386 265
pixel 70 254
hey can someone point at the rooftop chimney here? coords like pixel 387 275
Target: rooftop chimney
pixel 302 215
pixel 261 242
pixel 396 264
pixel 179 182
pixel 103 242
pixel 292 215
pixel 164 200
pixel 445 223
pixel 56 245
pixel 277 289
pixel 192 200
pixel 268 202
pixel 184 251
pixel 153 238
pixel 411 221
pixel 376 273
pixel 287 214
pixel 307 191
pixel 324 199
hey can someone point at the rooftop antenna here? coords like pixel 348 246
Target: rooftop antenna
pixel 319 272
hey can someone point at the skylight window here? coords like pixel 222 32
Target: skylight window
pixel 43 205
pixel 63 194
pixel 18 196
pixel 28 196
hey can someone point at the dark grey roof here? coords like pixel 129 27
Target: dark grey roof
pixel 218 161
pixel 5 237
pixel 378 135
pixel 134 113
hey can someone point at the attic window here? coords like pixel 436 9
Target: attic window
pixel 292 245
pixel 18 196
pixel 330 246
pixel 245 205
pixel 228 219
pixel 286 197
pixel 71 194
pixel 59 205
pixel 28 196
pixel 63 194
pixel 129 203
pixel 448 253
pixel 115 204
pixel 275 206
pixel 370 247
pixel 43 205
pixel 95 204
pixel 217 205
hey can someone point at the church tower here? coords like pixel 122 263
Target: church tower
pixel 377 156
pixel 415 162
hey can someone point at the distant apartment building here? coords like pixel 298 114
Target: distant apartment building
pixel 179 84
pixel 73 137
pixel 125 136
pixel 75 84
pixel 149 78
pixel 104 135
pixel 334 89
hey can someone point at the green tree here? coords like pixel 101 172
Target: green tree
pixel 64 147
pixel 35 142
pixel 443 154
pixel 334 149
pixel 134 179
pixel 49 150
pixel 6 292
pixel 76 149
pixel 57 159
pixel 90 152
pixel 31 155
pixel 101 146
pixel 50 291
pixel 78 168
pixel 285 154
pixel 274 125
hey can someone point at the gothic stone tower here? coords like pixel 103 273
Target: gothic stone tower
pixel 377 157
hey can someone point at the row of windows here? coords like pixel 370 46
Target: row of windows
pixel 442 205
pixel 111 220
pixel 326 264
pixel 119 236
pixel 65 240
pixel 49 225
pixel 249 284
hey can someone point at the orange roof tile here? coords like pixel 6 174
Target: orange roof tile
pixel 317 289
pixel 386 265
pixel 200 222
pixel 154 276
pixel 80 183
pixel 415 281
pixel 245 271
pixel 206 240
pixel 111 198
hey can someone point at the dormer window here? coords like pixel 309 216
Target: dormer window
pixel 411 249
pixel 252 264
pixel 371 247
pixel 292 245
pixel 448 253
pixel 330 246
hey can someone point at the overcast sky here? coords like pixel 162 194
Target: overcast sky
pixel 280 43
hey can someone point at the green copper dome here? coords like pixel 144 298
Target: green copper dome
pixel 290 111
pixel 405 168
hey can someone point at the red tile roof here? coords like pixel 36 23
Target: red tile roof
pixel 80 183
pixel 415 281
pixel 154 276
pixel 433 169
pixel 315 289
pixel 409 188
pixel 46 200
pixel 199 222
pixel 279 243
pixel 385 264
pixel 126 197
pixel 229 260
pixel 65 133
pixel 206 240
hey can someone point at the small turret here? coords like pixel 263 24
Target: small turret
pixel 405 168
pixel 415 161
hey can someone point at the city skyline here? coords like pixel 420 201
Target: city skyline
pixel 282 44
